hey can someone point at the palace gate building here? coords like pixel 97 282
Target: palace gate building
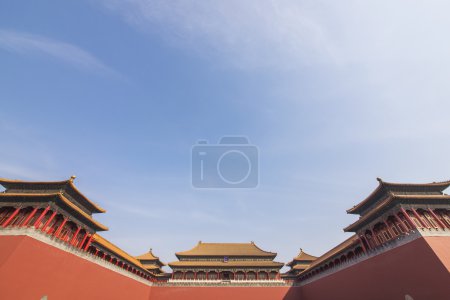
pixel 52 247
pixel 226 261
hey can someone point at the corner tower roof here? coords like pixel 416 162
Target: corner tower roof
pixel 65 187
pixel 148 256
pixel 150 260
pixel 385 189
pixel 302 257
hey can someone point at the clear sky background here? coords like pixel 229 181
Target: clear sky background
pixel 334 94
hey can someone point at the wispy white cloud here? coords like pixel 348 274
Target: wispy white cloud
pixel 378 108
pixel 26 44
pixel 246 34
pixel 291 34
pixel 375 82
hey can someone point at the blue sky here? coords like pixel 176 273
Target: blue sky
pixel 333 95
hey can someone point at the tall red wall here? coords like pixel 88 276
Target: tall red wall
pixel 441 247
pixel 225 293
pixel 413 269
pixel 30 269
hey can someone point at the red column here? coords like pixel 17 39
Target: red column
pixel 11 217
pixel 36 224
pixel 29 217
pixel 58 231
pixel 51 230
pixel 48 221
pixel 84 239
pixel 389 229
pixel 362 244
pixel 63 237
pixel 437 218
pixel 419 218
pixel 74 238
pixel 401 223
pixel 367 242
pixel 21 217
pixel 408 218
pixel 88 242
pixel 376 242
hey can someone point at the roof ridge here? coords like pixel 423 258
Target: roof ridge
pixel 67 182
pixel 117 250
pixel 384 186
pixel 254 244
pixel 230 249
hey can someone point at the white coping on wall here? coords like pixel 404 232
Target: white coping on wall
pixel 57 243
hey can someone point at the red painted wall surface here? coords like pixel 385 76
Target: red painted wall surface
pixel 413 269
pixel 441 246
pixel 30 269
pixel 225 293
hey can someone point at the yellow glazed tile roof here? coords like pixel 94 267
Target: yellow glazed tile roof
pixel 222 264
pixel 385 187
pixel 150 267
pixel 149 256
pixel 226 249
pixel 387 201
pixel 302 256
pixel 63 184
pixel 301 266
pixel 335 251
pixel 113 248
pixel 60 197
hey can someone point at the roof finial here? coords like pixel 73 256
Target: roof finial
pixel 199 242
pixel 72 178
pixel 150 250
pixel 379 180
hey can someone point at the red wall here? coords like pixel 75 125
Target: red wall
pixel 441 247
pixel 412 269
pixel 30 269
pixel 225 293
